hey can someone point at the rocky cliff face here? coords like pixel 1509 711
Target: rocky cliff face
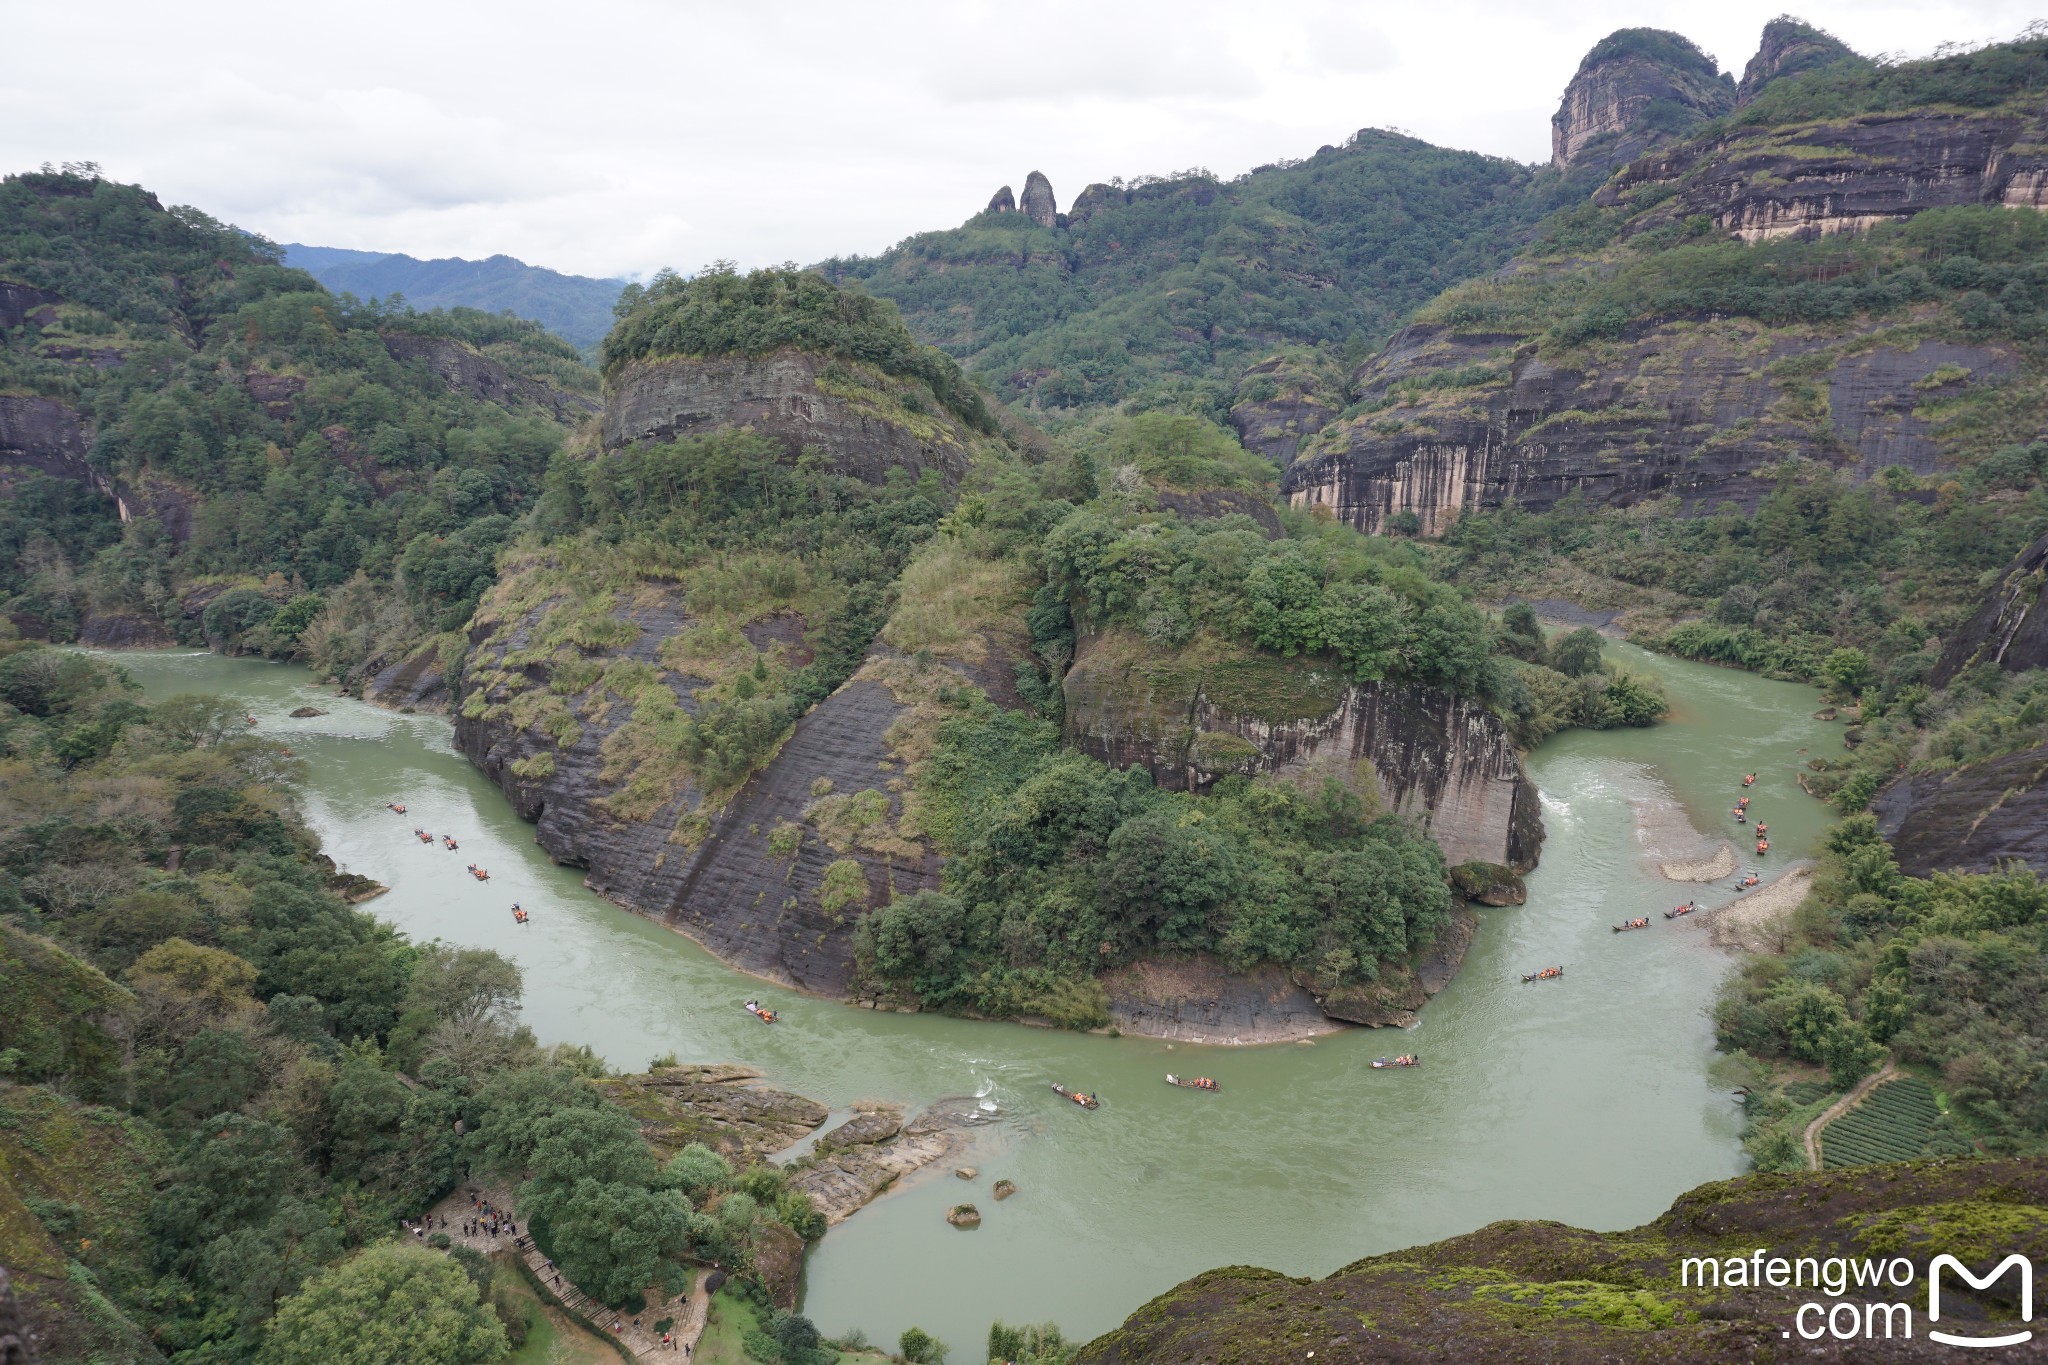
pixel 1633 86
pixel 2010 629
pixel 1843 175
pixel 1692 409
pixel 1789 46
pixel 1972 818
pixel 1281 402
pixel 466 370
pixel 1194 715
pixel 1002 201
pixel 866 421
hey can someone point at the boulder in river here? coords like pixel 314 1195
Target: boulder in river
pixel 964 1216
pixel 307 713
pixel 1004 1189
pixel 1488 883
pixel 966 1172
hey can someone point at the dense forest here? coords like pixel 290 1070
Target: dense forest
pixel 296 466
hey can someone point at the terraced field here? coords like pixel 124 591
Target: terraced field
pixel 1893 1123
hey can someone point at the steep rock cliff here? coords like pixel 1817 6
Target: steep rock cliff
pixel 1284 400
pixel 1633 86
pixel 1972 818
pixel 1193 715
pixel 2010 629
pixel 866 421
pixel 1694 409
pixel 1842 175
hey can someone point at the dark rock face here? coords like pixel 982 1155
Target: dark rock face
pixel 46 435
pixel 467 371
pixel 1607 99
pixel 21 304
pixel 1788 48
pixel 780 396
pixel 417 683
pixel 1971 818
pixel 2010 629
pixel 711 875
pixel 1445 761
pixel 276 392
pixel 1002 201
pixel 1279 406
pixel 1222 502
pixel 1419 1303
pixel 1198 1000
pixel 1689 409
pixel 1489 884
pixel 124 630
pixel 14 1332
pixel 1037 203
pixel 1845 175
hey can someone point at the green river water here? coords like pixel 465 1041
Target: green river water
pixel 1585 1100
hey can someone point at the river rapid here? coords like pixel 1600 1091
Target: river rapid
pixel 1585 1099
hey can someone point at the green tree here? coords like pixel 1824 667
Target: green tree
pixel 1578 653
pixel 388 1303
pixel 1847 671
pixel 920 1347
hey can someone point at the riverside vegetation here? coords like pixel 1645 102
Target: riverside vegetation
pixel 224 1086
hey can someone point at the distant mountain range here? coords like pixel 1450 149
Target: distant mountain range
pixel 576 307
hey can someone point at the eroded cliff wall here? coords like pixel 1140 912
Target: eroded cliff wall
pixel 1193 715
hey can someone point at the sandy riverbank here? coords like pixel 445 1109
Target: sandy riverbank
pixel 1754 923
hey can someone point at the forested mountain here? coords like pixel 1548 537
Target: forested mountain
pixel 203 444
pixel 576 308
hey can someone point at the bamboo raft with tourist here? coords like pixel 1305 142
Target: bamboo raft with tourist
pixel 1547 974
pixel 1080 1097
pixel 1405 1059
pixel 1640 923
pixel 765 1016
pixel 1677 910
pixel 1191 1082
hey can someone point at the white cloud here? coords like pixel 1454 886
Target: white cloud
pixel 622 135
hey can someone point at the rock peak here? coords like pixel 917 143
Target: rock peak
pixel 1635 84
pixel 1789 47
pixel 1038 203
pixel 1001 202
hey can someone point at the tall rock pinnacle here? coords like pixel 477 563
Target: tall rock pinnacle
pixel 1038 204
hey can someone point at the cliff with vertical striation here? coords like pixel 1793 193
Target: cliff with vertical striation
pixel 1635 85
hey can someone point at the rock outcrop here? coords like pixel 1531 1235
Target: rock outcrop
pixel 1534 1290
pixel 1636 84
pixel 1687 408
pixel 466 370
pixel 1193 715
pixel 417 682
pixel 1281 402
pixel 2010 629
pixel 854 413
pixel 720 1106
pixel 1002 201
pixel 1789 47
pixel 1199 1000
pixel 865 1156
pixel 1093 200
pixel 1037 202
pixel 1972 818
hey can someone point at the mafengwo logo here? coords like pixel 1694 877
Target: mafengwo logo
pixel 2012 1262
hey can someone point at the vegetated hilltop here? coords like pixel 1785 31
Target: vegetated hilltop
pixel 576 308
pixel 822 657
pixel 1518 1291
pixel 222 1087
pixel 201 444
pixel 1168 289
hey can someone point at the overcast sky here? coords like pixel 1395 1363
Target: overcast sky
pixel 614 136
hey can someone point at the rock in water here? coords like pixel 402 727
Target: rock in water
pixel 1038 203
pixel 966 1172
pixel 1002 201
pixel 1488 883
pixel 964 1216
pixel 1004 1189
pixel 307 713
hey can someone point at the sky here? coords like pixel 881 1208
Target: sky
pixel 614 137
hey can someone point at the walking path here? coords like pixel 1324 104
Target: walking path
pixel 1841 1107
pixel 634 1331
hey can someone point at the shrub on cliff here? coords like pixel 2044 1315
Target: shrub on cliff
pixel 722 312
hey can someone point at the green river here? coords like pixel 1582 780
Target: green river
pixel 1585 1099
